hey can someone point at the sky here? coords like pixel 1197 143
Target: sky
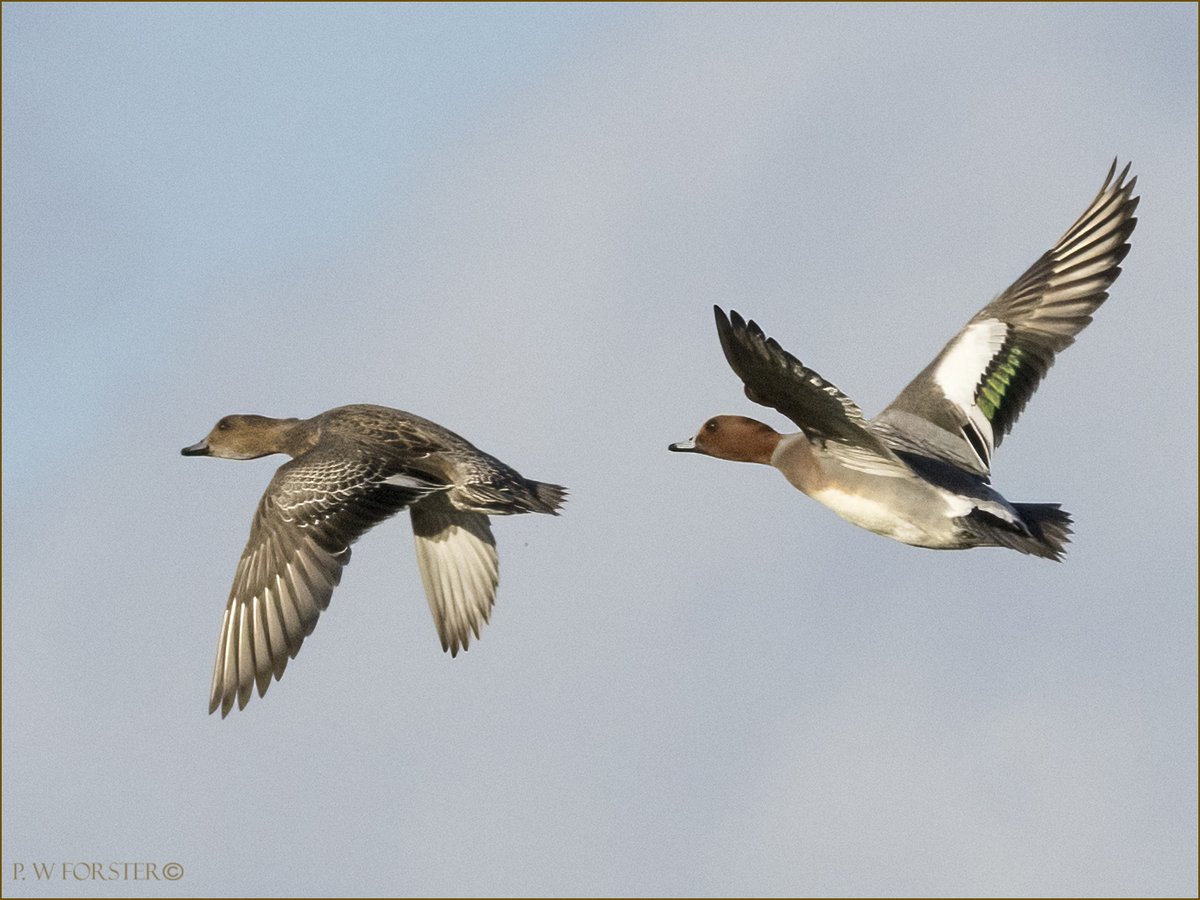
pixel 515 220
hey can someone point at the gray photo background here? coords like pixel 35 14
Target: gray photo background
pixel 516 220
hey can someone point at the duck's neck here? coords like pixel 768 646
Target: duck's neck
pixel 759 446
pixel 798 462
pixel 294 436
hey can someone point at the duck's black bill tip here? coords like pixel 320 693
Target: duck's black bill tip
pixel 200 449
pixel 683 447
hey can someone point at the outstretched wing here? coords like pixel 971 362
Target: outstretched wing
pixel 315 507
pixel 775 378
pixel 964 402
pixel 456 553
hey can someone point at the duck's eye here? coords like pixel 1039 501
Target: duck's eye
pixel 710 426
pixel 224 425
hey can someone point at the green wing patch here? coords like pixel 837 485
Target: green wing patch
pixel 1002 373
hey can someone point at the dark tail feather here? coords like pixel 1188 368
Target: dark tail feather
pixel 1050 525
pixel 1049 529
pixel 549 497
pixel 516 495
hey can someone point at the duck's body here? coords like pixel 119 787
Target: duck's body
pixel 352 467
pixel 910 510
pixel 919 472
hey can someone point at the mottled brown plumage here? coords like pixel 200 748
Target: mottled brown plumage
pixel 353 467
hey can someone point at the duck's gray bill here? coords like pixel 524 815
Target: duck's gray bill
pixel 200 449
pixel 683 447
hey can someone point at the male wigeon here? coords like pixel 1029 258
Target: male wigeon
pixel 351 468
pixel 919 471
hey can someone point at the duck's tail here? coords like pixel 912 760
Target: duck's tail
pixel 506 497
pixel 548 498
pixel 1046 533
pixel 1049 527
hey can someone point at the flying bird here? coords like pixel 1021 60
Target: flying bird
pixel 351 468
pixel 919 472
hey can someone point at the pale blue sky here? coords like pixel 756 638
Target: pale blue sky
pixel 515 220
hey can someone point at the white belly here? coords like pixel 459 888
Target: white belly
pixel 878 518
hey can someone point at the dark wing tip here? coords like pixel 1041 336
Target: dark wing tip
pixel 745 343
pixel 734 320
pixel 737 326
pixel 726 325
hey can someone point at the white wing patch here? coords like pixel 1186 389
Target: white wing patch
pixel 959 374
